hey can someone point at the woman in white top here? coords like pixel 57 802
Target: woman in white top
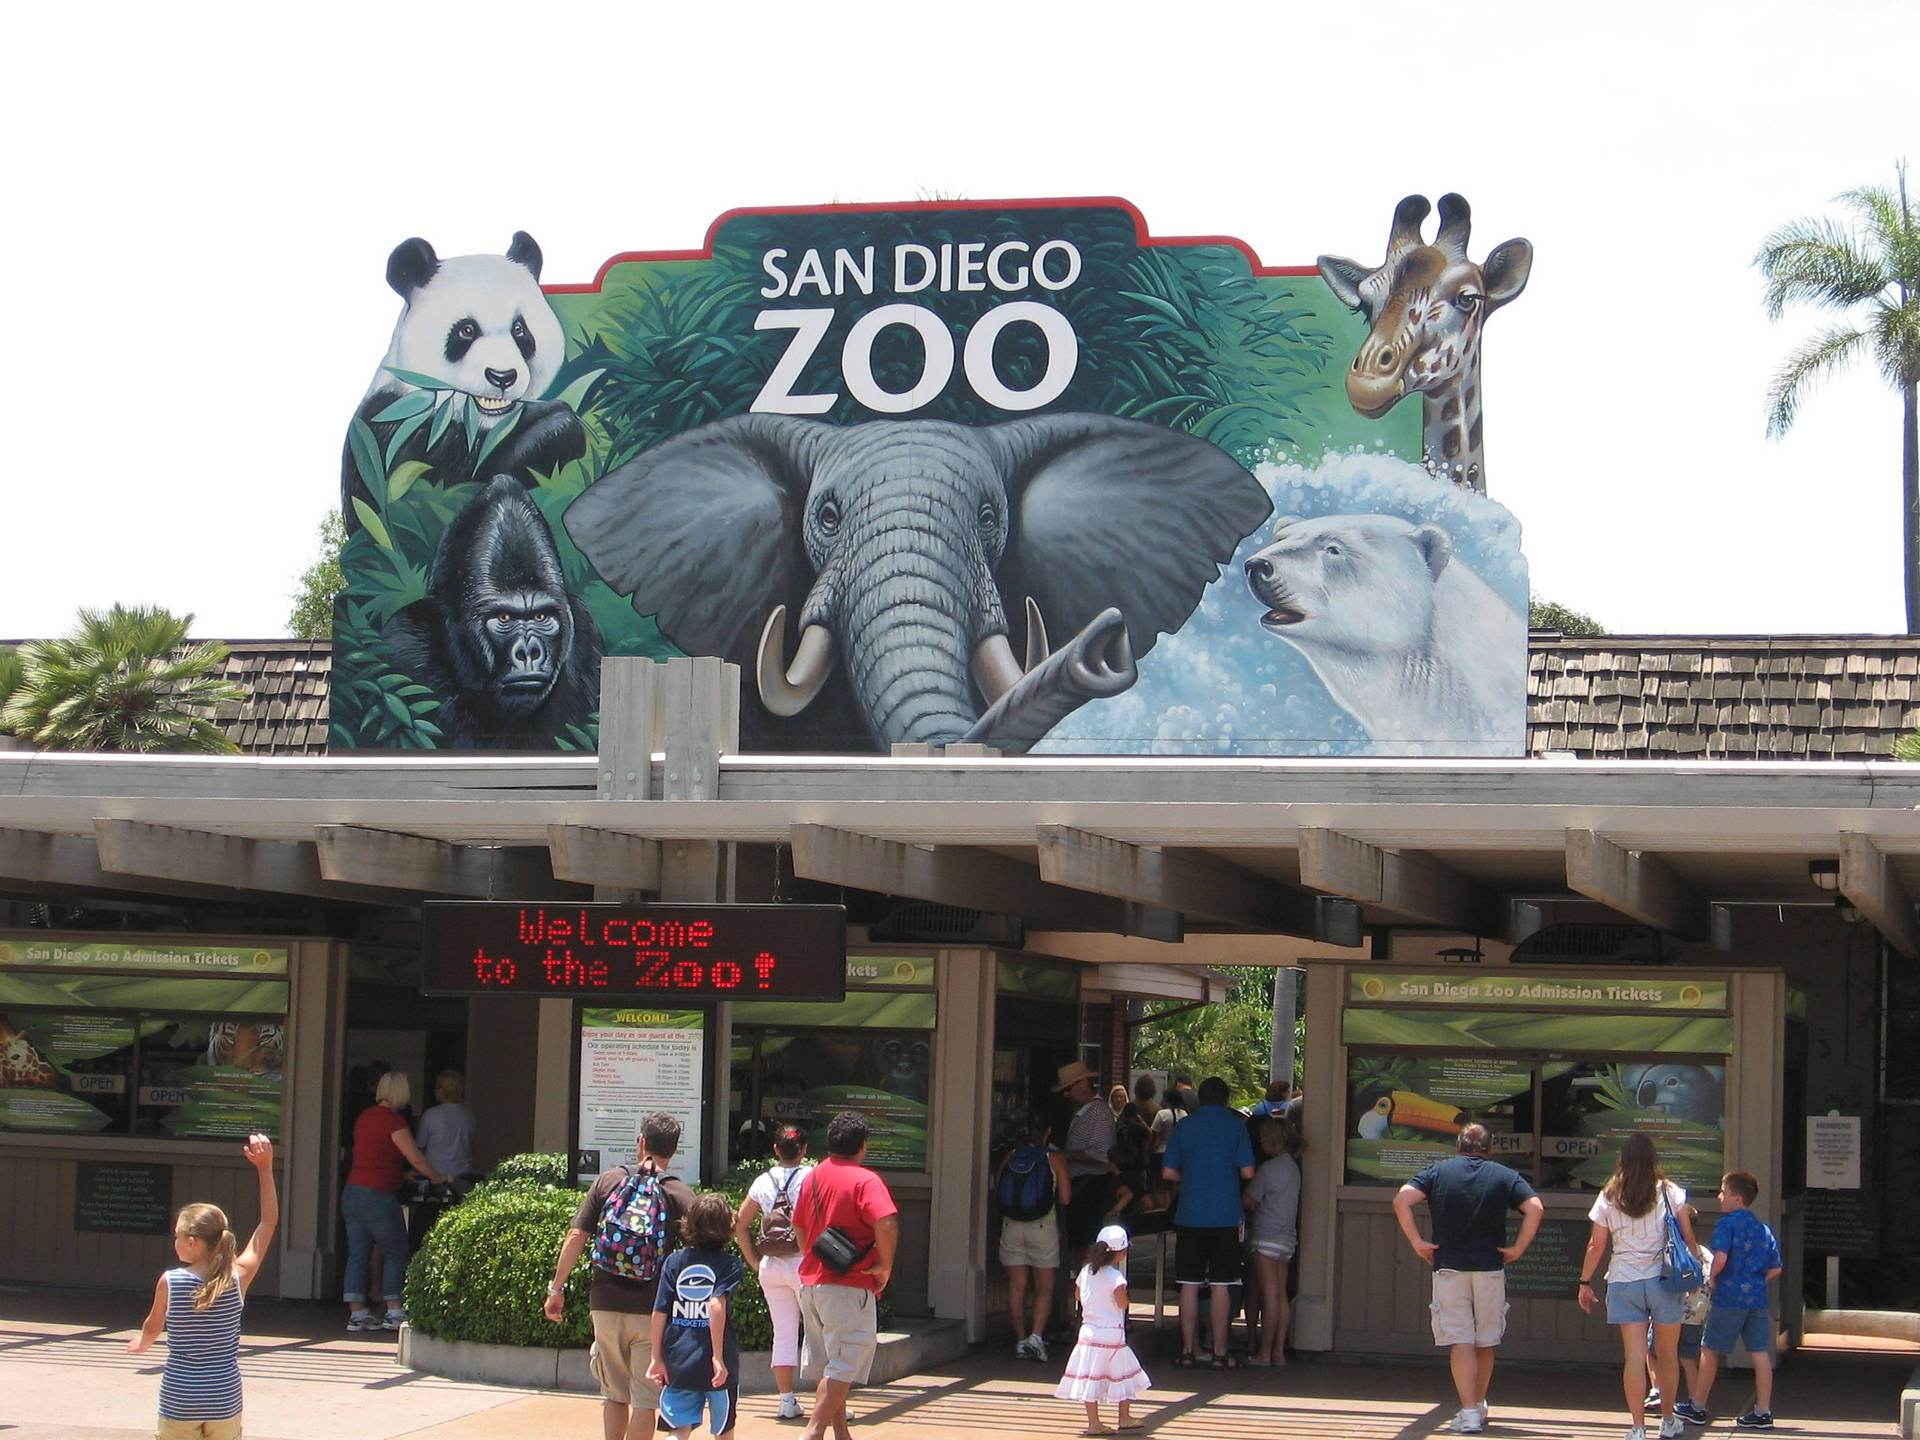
pixel 1631 1216
pixel 776 1260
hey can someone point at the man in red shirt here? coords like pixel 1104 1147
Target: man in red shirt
pixel 841 1310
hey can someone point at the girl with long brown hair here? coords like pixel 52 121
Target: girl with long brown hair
pixel 1631 1216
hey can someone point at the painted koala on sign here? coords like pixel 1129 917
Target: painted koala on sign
pixel 1410 642
pixel 475 348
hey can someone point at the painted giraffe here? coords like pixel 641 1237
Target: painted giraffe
pixel 1426 305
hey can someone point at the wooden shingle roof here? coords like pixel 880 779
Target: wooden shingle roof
pixel 1721 697
pixel 1608 697
pixel 285 712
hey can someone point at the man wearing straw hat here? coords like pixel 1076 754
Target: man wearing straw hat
pixel 1090 1136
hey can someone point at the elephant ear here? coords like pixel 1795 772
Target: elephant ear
pixel 1118 512
pixel 702 530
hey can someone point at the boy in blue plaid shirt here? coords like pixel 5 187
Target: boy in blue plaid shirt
pixel 1745 1257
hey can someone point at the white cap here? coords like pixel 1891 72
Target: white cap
pixel 1114 1237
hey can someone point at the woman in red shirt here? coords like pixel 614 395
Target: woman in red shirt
pixel 383 1150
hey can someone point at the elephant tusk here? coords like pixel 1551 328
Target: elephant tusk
pixel 995 670
pixel 1037 647
pixel 784 689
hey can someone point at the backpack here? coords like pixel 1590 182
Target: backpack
pixel 776 1225
pixel 1025 1191
pixel 632 1238
pixel 1132 1145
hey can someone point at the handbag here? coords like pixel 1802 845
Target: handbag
pixel 1680 1270
pixel 833 1247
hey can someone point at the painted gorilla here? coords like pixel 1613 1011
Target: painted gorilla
pixel 514 658
pixel 902 546
pixel 481 325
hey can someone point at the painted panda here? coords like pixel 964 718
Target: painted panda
pixel 482 325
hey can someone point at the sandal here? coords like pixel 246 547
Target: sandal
pixel 1184 1360
pixel 1226 1362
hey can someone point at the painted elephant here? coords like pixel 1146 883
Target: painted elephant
pixel 902 546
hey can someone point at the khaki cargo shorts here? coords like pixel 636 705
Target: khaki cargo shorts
pixel 622 1348
pixel 1469 1307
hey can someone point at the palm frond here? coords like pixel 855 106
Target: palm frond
pixel 126 680
pixel 1829 351
pixel 1896 342
pixel 1817 262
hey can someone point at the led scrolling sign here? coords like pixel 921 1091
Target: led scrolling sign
pixel 687 952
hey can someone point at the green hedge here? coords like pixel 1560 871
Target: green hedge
pixel 481 1273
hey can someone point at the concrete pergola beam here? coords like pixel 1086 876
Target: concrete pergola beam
pixel 1192 884
pixel 1408 883
pixel 1868 881
pixel 208 857
pixel 1636 884
pixel 963 876
pixel 389 860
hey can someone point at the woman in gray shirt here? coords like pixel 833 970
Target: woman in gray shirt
pixel 1272 1199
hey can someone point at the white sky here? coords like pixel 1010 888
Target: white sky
pixel 204 197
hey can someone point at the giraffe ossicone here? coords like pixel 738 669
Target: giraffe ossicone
pixel 1426 305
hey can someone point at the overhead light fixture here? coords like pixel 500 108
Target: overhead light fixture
pixel 1844 908
pixel 1825 874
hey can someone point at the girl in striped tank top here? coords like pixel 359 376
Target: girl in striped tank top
pixel 198 1304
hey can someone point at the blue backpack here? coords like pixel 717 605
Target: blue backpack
pixel 632 1238
pixel 1025 1191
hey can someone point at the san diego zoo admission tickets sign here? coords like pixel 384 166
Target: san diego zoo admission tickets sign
pixel 1013 473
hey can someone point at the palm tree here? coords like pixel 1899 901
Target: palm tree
pixel 1870 267
pixel 125 680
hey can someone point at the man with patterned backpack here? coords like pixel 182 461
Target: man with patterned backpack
pixel 631 1220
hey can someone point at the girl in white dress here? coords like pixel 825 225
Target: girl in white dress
pixel 1103 1366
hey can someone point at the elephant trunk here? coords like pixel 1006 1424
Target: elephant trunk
pixel 1096 663
pixel 906 602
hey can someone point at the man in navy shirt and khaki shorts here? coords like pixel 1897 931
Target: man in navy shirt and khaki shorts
pixel 1468 1196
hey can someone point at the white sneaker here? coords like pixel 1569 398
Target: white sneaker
pixel 1036 1348
pixel 790 1409
pixel 1470 1421
pixel 1636 1432
pixel 1672 1428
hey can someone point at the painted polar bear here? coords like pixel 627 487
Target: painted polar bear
pixel 1410 642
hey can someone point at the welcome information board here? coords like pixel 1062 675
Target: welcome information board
pixel 661 952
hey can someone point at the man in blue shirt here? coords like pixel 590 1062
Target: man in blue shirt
pixel 1208 1155
pixel 1468 1196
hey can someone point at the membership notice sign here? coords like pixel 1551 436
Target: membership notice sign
pixel 1833 1152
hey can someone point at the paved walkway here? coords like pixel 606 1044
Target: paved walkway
pixel 65 1375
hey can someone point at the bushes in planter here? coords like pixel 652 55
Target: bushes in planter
pixel 481 1273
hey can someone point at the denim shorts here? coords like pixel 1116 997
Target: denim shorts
pixel 1632 1302
pixel 1726 1324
